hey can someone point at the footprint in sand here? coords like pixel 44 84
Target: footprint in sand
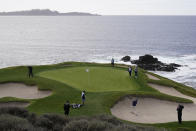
pixel 134 113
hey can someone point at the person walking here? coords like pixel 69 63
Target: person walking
pixel 30 71
pixel 83 97
pixel 179 111
pixel 130 71
pixel 112 62
pixel 66 108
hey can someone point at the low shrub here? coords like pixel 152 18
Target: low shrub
pixel 10 122
pixel 108 118
pixel 20 112
pixel 51 122
pixel 99 126
pixel 80 125
pixel 18 119
pixel 183 129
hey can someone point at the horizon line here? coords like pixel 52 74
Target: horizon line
pixel 100 13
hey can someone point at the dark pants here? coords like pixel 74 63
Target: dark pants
pixel 83 100
pixel 136 74
pixel 30 74
pixel 180 118
pixel 66 112
pixel 130 73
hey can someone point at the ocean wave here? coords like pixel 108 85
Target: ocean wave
pixel 185 74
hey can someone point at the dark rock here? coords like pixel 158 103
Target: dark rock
pixel 126 58
pixel 175 65
pixel 148 59
pixel 148 62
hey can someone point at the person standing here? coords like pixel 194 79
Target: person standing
pixel 30 71
pixel 136 72
pixel 66 108
pixel 130 71
pixel 83 97
pixel 179 110
pixel 112 62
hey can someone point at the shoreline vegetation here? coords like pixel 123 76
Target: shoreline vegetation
pixel 99 101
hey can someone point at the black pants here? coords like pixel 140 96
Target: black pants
pixel 30 74
pixel 179 118
pixel 129 73
pixel 66 112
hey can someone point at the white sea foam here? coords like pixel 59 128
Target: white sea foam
pixel 185 74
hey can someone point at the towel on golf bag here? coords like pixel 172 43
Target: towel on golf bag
pixel 75 106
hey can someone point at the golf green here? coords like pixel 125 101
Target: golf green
pixel 93 79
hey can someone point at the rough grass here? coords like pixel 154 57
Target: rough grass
pixel 174 126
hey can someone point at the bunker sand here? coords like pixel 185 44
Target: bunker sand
pixel 20 91
pixel 152 77
pixel 150 110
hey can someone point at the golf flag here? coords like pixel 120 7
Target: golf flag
pixel 87 70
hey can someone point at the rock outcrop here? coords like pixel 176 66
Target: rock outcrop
pixel 126 58
pixel 148 62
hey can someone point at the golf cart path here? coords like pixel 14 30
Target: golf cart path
pixel 150 110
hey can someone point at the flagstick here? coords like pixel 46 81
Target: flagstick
pixel 87 70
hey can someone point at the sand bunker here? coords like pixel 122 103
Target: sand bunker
pixel 171 91
pixel 152 77
pixel 22 91
pixel 149 110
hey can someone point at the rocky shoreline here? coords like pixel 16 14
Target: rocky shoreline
pixel 149 62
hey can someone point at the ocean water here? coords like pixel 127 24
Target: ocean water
pixel 47 40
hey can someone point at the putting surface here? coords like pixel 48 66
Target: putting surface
pixel 93 79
